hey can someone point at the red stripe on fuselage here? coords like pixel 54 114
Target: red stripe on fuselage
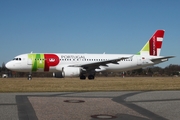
pixel 50 60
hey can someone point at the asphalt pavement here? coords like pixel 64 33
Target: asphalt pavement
pixel 122 105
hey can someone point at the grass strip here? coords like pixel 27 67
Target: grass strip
pixel 99 84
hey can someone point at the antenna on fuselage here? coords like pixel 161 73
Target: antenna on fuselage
pixel 31 52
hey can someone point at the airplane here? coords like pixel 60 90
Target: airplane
pixel 87 65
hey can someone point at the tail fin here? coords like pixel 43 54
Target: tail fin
pixel 153 46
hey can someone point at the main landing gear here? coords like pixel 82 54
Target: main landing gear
pixel 82 77
pixel 90 77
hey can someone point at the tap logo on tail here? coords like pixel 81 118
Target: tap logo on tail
pixel 153 46
pixel 155 43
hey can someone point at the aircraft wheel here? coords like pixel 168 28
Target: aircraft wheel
pixel 91 77
pixel 82 77
pixel 29 77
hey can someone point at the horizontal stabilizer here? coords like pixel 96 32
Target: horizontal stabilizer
pixel 162 59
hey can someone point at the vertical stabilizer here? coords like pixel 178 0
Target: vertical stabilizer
pixel 153 46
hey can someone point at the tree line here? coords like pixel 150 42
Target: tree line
pixel 170 70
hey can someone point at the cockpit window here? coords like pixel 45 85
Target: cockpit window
pixel 17 59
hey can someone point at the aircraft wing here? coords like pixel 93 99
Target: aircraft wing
pixel 161 59
pixel 95 65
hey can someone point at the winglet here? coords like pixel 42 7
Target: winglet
pixel 154 45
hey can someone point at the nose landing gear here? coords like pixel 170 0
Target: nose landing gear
pixel 29 77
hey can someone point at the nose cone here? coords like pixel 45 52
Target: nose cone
pixel 9 65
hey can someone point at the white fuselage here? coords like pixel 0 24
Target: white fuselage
pixel 23 63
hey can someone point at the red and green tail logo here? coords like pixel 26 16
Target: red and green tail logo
pixel 153 46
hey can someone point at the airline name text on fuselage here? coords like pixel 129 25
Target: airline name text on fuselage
pixel 72 57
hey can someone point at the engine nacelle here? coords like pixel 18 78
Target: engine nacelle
pixel 71 71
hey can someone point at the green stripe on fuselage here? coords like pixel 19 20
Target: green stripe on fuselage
pixel 37 61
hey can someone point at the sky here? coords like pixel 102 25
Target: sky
pixel 87 26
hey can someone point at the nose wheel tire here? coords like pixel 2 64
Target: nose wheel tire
pixel 29 77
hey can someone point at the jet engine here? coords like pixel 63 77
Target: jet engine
pixel 71 71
